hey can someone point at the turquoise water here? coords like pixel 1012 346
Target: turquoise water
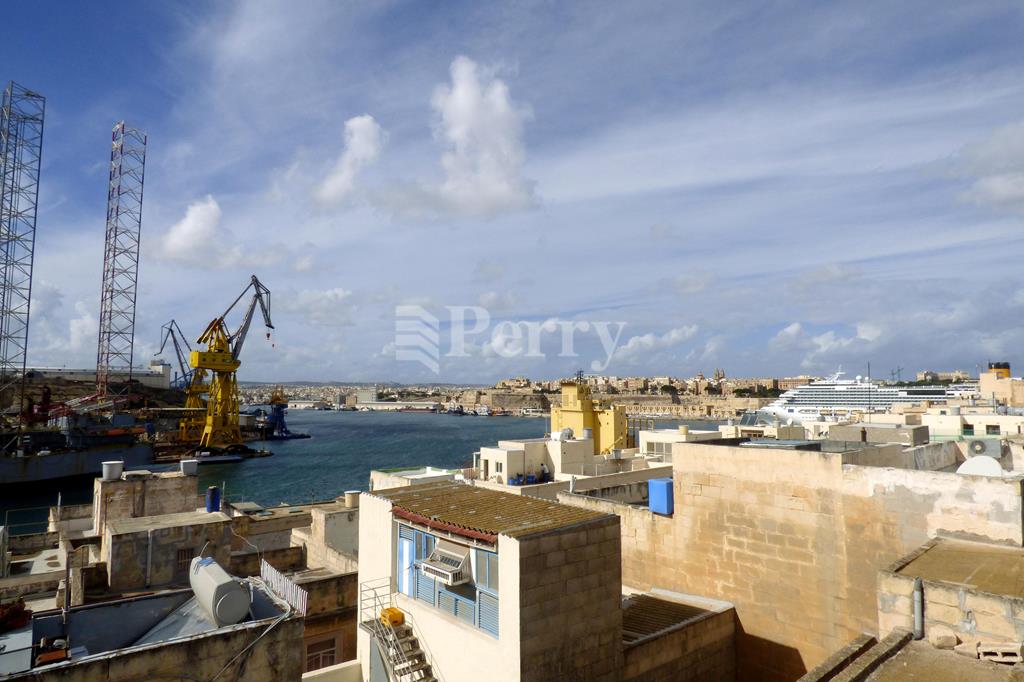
pixel 345 446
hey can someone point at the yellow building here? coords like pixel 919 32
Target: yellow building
pixel 580 411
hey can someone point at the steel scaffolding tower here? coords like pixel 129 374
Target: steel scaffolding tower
pixel 21 147
pixel 121 256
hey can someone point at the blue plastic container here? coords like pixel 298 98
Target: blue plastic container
pixel 659 496
pixel 213 499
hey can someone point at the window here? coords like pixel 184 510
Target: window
pixel 968 430
pixel 185 559
pixel 475 603
pixel 320 654
pixel 498 468
pixel 992 429
pixel 486 577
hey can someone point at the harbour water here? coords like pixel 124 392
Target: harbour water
pixel 345 446
pixel 342 449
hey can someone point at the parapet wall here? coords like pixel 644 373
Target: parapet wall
pixel 702 650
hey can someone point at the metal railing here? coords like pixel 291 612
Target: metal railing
pixel 374 597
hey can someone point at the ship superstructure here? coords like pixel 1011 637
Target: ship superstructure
pixel 838 396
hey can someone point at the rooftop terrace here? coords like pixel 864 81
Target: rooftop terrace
pixel 987 568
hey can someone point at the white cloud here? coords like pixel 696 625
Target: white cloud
pixel 84 329
pixel 638 346
pixel 363 141
pixel 322 307
pixel 828 348
pixel 199 239
pixel 496 301
pixel 191 236
pixel 997 164
pixel 483 168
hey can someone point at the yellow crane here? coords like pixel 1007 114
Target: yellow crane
pixel 220 361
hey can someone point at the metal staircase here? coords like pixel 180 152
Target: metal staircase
pixel 400 648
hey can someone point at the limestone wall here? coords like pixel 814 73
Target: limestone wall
pixel 795 540
pixel 136 496
pixel 972 614
pixel 136 560
pixel 704 650
pixel 570 603
pixel 285 560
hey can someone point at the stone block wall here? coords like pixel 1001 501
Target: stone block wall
pixel 703 650
pixel 131 556
pixel 339 528
pixel 570 603
pixel 285 560
pixel 795 539
pixel 136 496
pixel 972 614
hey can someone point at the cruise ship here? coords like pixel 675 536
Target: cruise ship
pixel 837 396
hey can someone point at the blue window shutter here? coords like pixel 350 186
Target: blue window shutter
pixel 488 613
pixel 424 588
pixel 446 602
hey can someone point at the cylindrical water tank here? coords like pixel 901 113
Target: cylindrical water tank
pixel 189 467
pixel 222 597
pixel 213 499
pixel 588 434
pixel 954 410
pixel 351 498
pixel 112 470
pixel 684 429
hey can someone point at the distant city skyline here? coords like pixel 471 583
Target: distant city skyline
pixel 771 190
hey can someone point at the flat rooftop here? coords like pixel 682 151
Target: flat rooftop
pixel 986 568
pixel 920 662
pixel 485 511
pixel 144 523
pixel 649 615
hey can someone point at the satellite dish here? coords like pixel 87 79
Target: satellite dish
pixel 981 465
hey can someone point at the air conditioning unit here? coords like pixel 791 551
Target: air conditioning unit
pixel 448 563
pixel 993 447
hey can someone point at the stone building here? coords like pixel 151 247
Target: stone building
pixel 795 537
pixel 522 588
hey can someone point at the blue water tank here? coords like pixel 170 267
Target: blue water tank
pixel 659 496
pixel 213 499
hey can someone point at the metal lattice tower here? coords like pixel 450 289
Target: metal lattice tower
pixel 121 255
pixel 21 148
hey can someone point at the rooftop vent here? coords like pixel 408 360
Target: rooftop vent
pixel 448 563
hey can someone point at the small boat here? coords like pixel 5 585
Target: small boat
pixel 210 458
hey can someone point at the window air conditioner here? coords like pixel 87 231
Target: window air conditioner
pixel 448 563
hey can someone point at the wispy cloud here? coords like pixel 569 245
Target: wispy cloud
pixel 363 141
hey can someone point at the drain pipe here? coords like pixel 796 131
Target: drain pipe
pixel 918 608
pixel 149 555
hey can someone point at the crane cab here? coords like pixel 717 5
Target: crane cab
pixel 215 361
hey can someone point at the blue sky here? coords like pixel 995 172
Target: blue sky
pixel 771 188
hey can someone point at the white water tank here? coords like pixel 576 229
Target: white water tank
pixel 112 470
pixel 588 434
pixel 222 597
